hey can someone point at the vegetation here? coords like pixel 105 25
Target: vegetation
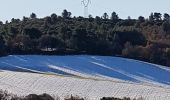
pixel 147 39
pixel 125 98
pixel 74 98
pixel 4 95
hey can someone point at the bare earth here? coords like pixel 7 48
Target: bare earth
pixel 22 83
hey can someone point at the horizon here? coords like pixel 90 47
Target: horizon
pixel 131 8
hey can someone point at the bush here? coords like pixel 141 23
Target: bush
pixel 38 97
pixel 125 98
pixel 74 98
pixel 4 95
pixel 113 98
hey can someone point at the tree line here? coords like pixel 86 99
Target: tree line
pixel 146 39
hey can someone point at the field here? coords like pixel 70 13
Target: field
pixel 91 77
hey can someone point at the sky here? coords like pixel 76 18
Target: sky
pixel 18 8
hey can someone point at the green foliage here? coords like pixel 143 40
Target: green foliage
pixel 50 42
pixel 33 33
pixel 2 46
pixel 133 37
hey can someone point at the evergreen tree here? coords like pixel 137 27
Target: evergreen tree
pixel 114 16
pixel 33 16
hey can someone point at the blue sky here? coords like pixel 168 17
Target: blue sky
pixel 134 8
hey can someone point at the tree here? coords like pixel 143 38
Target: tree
pixel 141 19
pixel 33 33
pixel 66 14
pixel 49 42
pixel 155 55
pixel 105 16
pixel 157 16
pixel 151 17
pixel 13 31
pixel 98 19
pixel 127 49
pixel 166 17
pixel 53 17
pixel 116 44
pixel 91 19
pixel 15 20
pixel 129 18
pixel 65 33
pixel 90 16
pixel 167 55
pixel 79 39
pixel 134 37
pixel 23 42
pixel 2 46
pixel 33 16
pixel 69 14
pixel 1 23
pixel 166 26
pixel 114 16
pixel 6 22
pixel 48 20
pixel 24 19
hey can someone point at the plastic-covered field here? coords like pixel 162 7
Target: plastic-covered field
pixel 89 66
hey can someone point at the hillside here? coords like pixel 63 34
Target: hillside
pixel 90 77
pixel 98 67
pixel 23 84
pixel 145 39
